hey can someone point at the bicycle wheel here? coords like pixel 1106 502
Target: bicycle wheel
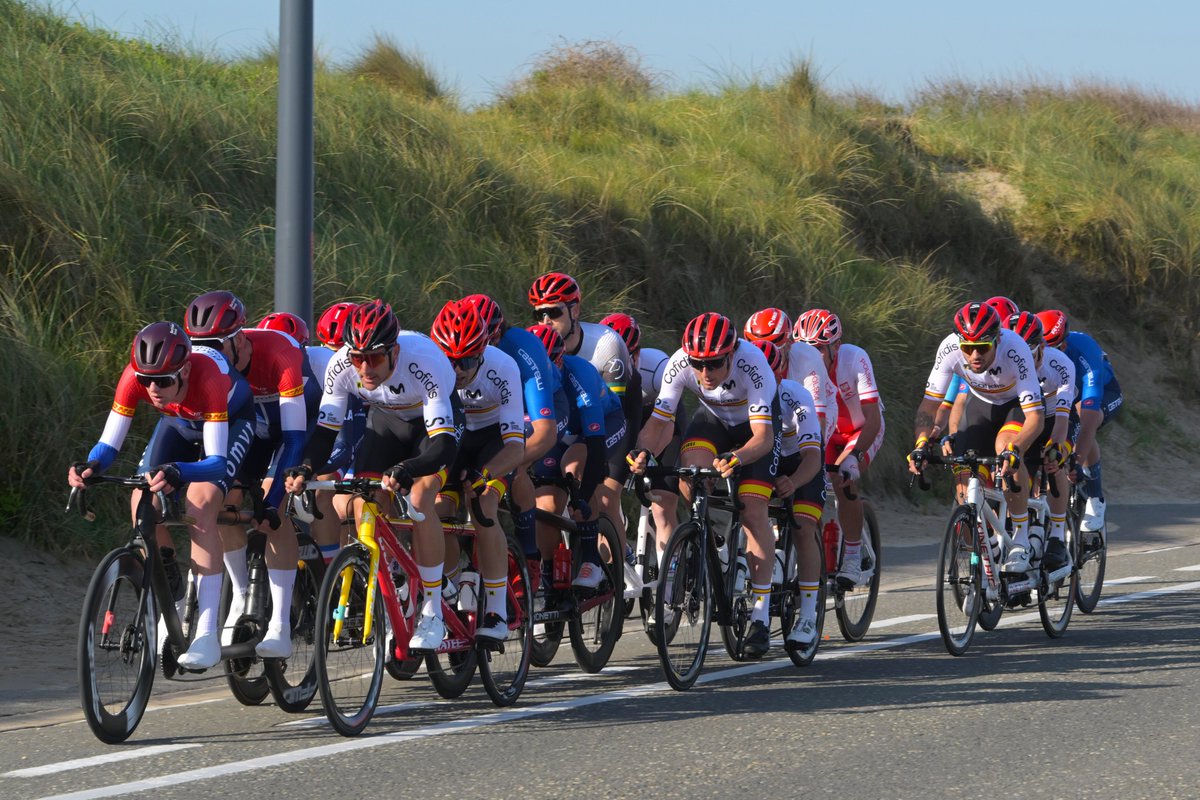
pixel 734 632
pixel 504 668
pixel 116 647
pixel 855 607
pixel 293 680
pixel 349 668
pixel 246 677
pixel 451 673
pixel 594 632
pixel 790 600
pixel 682 607
pixel 1089 549
pixel 960 590
pixel 1055 601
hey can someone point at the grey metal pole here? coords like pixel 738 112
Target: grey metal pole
pixel 294 161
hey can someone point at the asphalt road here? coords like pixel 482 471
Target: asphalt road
pixel 1109 710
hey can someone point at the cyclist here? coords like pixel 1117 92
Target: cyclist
pixel 556 301
pixel 735 428
pixel 410 439
pixel 859 432
pixel 491 446
pixel 597 419
pixel 1004 307
pixel 545 411
pixel 1056 374
pixel 800 482
pixel 285 397
pixel 652 364
pixel 206 425
pixel 1097 399
pixel 804 364
pixel 1003 412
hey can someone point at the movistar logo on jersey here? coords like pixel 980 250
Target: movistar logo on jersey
pixel 473 394
pixel 728 385
pixel 397 389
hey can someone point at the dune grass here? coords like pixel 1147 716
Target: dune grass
pixel 134 176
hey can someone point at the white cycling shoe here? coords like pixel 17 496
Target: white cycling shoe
pixel 1018 559
pixel 590 576
pixel 633 584
pixel 204 652
pixel 274 645
pixel 430 632
pixel 1093 515
pixel 804 632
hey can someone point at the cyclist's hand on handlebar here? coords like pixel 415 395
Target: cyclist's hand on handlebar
pixel 270 519
pixel 916 459
pixel 784 486
pixel 80 470
pixel 294 478
pixel 1010 460
pixel 638 459
pixel 165 478
pixel 947 444
pixel 1055 456
pixel 479 481
pixel 726 463
pixel 397 479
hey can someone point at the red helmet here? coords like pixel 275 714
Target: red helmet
pixel 976 321
pixel 288 323
pixel 160 348
pixel 215 315
pixel 372 326
pixel 459 331
pixel 1004 307
pixel 709 335
pixel 769 324
pixel 628 328
pixel 554 287
pixel 1054 326
pixel 489 312
pixel 1028 326
pixel 331 327
pixel 551 341
pixel 774 356
pixel 818 326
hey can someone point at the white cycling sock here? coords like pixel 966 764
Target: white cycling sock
pixel 239 573
pixel 497 596
pixel 762 602
pixel 808 599
pixel 282 581
pixel 431 590
pixel 1020 530
pixel 208 598
pixel 1058 527
pixel 853 552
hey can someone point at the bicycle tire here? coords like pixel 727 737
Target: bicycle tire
pixel 856 608
pixel 594 633
pixel 451 673
pixel 246 677
pixel 503 671
pixel 1090 553
pixel 960 590
pixel 683 607
pixel 803 656
pixel 293 680
pixel 113 600
pixel 1055 602
pixel 349 669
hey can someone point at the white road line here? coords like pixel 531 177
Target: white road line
pixel 887 623
pixel 1162 550
pixel 107 758
pixel 508 715
pixel 1131 579
pixel 1192 568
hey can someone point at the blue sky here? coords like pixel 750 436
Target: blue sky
pixel 890 49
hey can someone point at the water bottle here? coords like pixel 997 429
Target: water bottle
pixel 468 591
pixel 1037 544
pixel 740 571
pixel 400 581
pixel 562 567
pixel 777 569
pixel 831 536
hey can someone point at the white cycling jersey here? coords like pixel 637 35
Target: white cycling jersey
pixel 1011 376
pixel 606 351
pixel 855 387
pixel 798 415
pixel 421 384
pixel 652 363
pixel 318 360
pixel 746 395
pixel 1057 377
pixel 806 365
pixel 494 396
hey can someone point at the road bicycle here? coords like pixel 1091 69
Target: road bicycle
pixel 971 588
pixel 128 592
pixel 854 604
pixel 367 607
pixel 593 618
pixel 1090 550
pixel 697 585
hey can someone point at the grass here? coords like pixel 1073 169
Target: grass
pixel 134 176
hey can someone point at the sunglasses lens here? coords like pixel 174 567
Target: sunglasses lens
pixel 554 312
pixel 161 381
pixel 465 364
pixel 706 363
pixel 370 359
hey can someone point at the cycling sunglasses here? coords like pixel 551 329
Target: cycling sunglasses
pixel 161 381
pixel 465 364
pixel 371 359
pixel 981 346
pixel 553 312
pixel 215 343
pixel 710 364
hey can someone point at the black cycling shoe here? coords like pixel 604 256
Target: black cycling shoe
pixel 758 640
pixel 1056 556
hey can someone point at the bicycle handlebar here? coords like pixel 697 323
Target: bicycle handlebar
pixel 690 474
pixel 78 496
pixel 971 460
pixel 358 486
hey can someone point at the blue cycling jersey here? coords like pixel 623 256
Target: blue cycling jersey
pixel 1092 370
pixel 590 399
pixel 539 380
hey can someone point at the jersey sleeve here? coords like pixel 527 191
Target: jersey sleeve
pixel 938 382
pixel 512 413
pixel 335 391
pixel 120 419
pixel 437 406
pixel 1063 371
pixel 671 391
pixel 868 389
pixel 586 385
pixel 616 368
